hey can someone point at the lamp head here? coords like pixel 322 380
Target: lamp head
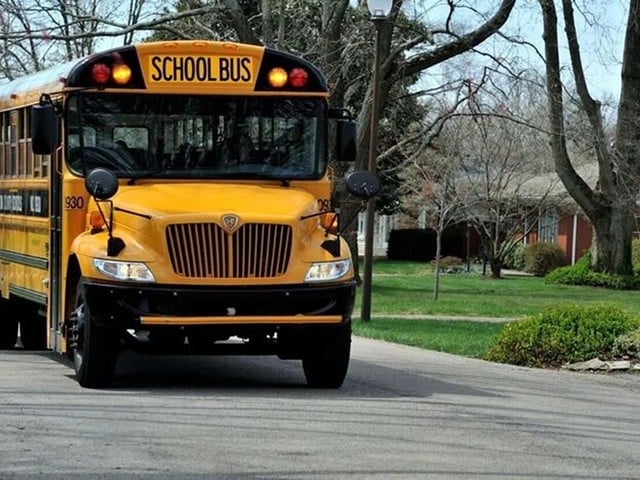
pixel 379 9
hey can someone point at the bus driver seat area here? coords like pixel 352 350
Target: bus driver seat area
pixel 94 157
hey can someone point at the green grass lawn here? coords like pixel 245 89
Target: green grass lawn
pixel 470 339
pixel 407 288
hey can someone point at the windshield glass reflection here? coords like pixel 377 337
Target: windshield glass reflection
pixel 177 136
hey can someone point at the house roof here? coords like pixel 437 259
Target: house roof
pixel 549 184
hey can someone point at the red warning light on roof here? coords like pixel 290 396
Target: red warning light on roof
pixel 298 77
pixel 100 73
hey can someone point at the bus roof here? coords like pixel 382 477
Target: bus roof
pixel 175 66
pixel 27 89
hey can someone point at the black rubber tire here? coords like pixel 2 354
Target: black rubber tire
pixel 8 326
pixel 96 354
pixel 326 360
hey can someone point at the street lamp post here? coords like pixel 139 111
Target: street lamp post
pixel 379 10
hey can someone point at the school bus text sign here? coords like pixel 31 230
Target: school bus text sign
pixel 171 69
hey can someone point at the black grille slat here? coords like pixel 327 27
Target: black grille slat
pixel 205 250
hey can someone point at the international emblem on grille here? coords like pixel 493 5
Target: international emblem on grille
pixel 230 222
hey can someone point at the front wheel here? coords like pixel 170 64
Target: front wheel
pixel 95 348
pixel 326 362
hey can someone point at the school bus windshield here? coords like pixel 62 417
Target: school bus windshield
pixel 204 137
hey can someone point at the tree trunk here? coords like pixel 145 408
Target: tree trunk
pixel 610 205
pixel 613 232
pixel 436 282
pixel 496 267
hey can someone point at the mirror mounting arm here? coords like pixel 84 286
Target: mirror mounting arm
pixel 114 244
pixel 102 184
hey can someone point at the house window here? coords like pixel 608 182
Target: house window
pixel 362 224
pixel 548 227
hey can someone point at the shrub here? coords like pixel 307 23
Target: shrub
pixel 541 258
pixel 448 261
pixel 563 334
pixel 627 345
pixel 515 258
pixel 582 274
pixel 450 264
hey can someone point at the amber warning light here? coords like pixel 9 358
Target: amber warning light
pixel 121 74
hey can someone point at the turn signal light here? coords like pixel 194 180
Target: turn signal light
pixel 329 222
pixel 96 221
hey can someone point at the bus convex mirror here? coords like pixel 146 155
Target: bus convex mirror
pixel 101 183
pixel 362 184
pixel 346 141
pixel 44 129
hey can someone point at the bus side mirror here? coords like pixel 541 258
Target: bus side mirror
pixel 44 129
pixel 101 183
pixel 362 184
pixel 346 140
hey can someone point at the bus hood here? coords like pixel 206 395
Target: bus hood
pixel 258 202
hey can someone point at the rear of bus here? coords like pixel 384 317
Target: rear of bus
pixel 197 210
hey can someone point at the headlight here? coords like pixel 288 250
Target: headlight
pixel 134 271
pixel 322 272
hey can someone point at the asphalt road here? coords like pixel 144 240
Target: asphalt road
pixel 402 413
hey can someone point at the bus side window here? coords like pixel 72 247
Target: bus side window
pixel 4 157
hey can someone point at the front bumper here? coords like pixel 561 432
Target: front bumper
pixel 135 305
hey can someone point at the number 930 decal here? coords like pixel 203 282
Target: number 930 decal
pixel 73 202
pixel 324 204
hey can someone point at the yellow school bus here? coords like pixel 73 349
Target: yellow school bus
pixel 174 197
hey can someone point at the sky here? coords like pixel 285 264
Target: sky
pixel 601 33
pixel 601 27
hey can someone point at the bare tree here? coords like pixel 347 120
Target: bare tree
pixel 495 150
pixel 35 34
pixel 432 187
pixel 611 204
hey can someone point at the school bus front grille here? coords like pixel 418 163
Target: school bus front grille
pixel 205 250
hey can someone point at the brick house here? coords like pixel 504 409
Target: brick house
pixel 561 221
